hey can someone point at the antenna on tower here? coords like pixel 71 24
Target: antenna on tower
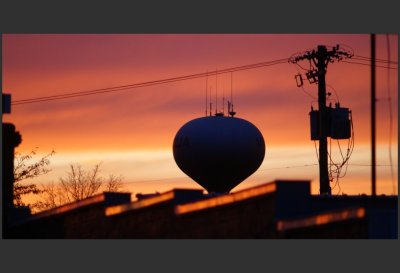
pixel 206 93
pixel 223 98
pixel 210 103
pixel 230 104
pixel 231 89
pixel 216 91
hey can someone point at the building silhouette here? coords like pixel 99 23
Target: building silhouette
pixel 278 209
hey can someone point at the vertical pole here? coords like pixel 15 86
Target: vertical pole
pixel 373 125
pixel 216 91
pixel 11 139
pixel 207 93
pixel 323 143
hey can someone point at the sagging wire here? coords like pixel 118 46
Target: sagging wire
pixel 348 48
pixel 309 94
pixel 334 91
pixel 316 150
pixel 336 170
pixel 331 171
pixel 301 67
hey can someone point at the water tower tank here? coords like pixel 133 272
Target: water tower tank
pixel 218 152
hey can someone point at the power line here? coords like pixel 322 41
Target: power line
pixel 358 57
pixel 381 66
pixel 369 165
pixel 288 167
pixel 261 170
pixel 182 177
pixel 171 80
pixel 145 84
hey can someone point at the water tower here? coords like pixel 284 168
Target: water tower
pixel 218 152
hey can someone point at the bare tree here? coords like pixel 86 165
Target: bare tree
pixel 51 198
pixel 23 170
pixel 77 185
pixel 114 183
pixel 80 184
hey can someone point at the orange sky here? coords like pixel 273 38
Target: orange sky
pixel 132 131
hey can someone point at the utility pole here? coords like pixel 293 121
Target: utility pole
pixel 373 126
pixel 320 58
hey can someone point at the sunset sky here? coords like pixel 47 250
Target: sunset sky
pixel 131 131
